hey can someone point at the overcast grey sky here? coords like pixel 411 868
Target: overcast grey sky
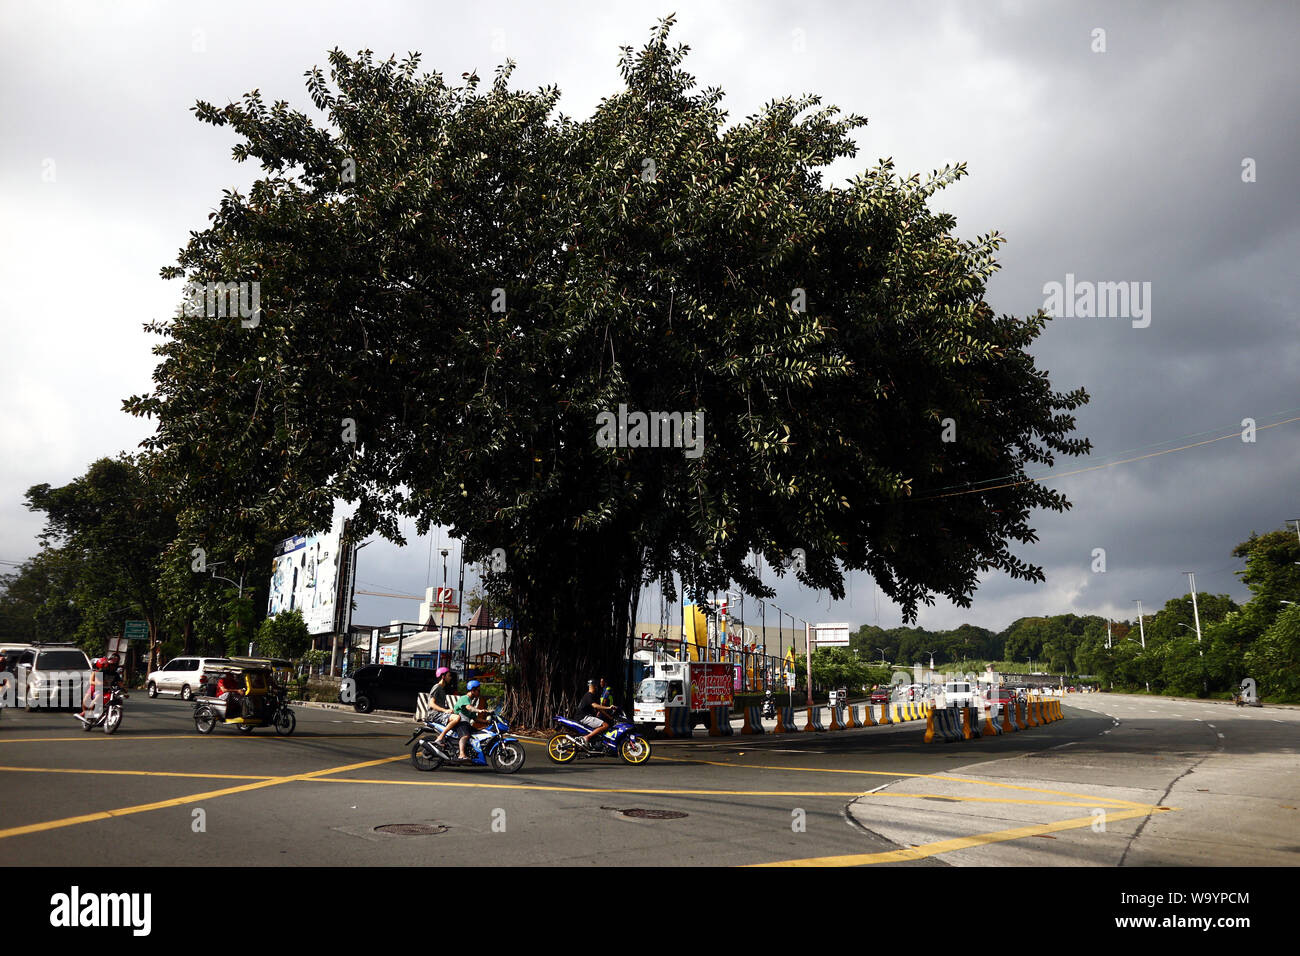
pixel 1117 165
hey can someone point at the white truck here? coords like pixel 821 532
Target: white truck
pixel 670 683
pixel 957 693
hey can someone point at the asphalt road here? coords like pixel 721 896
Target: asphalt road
pixel 1173 790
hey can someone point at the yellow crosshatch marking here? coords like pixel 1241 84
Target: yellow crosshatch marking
pixel 962 843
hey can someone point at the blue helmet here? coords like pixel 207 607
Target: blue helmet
pixel 471 685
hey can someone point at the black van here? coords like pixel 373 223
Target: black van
pixel 390 687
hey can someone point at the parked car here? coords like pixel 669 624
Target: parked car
pixel 1001 695
pixel 880 695
pixel 389 687
pixel 181 676
pixel 55 675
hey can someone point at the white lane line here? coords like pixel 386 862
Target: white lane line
pixel 1209 725
pixel 1221 736
pixel 879 788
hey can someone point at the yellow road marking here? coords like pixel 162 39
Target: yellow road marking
pixel 146 773
pixel 1090 802
pixel 960 843
pixel 180 801
pixel 315 777
pixel 558 789
pixel 1093 800
pixel 128 737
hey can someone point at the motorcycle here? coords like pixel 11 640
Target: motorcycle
pixel 769 706
pixel 108 716
pixel 620 739
pixel 489 747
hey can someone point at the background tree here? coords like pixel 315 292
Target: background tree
pixel 284 635
pixel 1274 660
pixel 40 601
pixel 467 281
pixel 115 522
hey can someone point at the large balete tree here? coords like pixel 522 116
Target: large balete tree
pixel 456 282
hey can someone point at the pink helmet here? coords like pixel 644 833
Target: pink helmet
pixel 441 670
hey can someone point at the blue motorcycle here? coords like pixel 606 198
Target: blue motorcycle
pixel 621 739
pixel 489 747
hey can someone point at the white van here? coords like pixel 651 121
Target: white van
pixel 958 693
pixel 182 676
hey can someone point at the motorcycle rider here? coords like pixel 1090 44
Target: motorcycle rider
pixel 442 701
pixel 468 712
pixel 230 688
pixel 590 710
pixel 106 670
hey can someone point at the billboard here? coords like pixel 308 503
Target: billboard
pixel 830 635
pixel 305 576
pixel 711 685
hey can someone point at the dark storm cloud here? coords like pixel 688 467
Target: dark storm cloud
pixel 1115 166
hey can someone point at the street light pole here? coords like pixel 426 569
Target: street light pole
pixel 780 625
pixel 1196 614
pixel 1141 629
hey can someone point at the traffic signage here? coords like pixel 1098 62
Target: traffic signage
pixel 136 631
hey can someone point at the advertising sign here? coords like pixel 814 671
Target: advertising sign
pixel 305 576
pixel 459 638
pixel 830 635
pixel 711 685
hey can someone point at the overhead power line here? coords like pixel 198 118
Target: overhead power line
pixel 1111 464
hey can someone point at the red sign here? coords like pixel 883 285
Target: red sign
pixel 711 685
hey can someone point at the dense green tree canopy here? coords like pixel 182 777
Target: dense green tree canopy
pixel 456 282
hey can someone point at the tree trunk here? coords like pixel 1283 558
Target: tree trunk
pixel 572 626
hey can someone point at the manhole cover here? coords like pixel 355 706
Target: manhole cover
pixel 639 814
pixel 411 829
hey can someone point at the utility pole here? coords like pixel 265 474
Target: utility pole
pixel 442 605
pixel 460 587
pixel 807 646
pixel 1141 629
pixel 780 626
pixel 349 596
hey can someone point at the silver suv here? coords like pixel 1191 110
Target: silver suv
pixel 182 676
pixel 53 675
